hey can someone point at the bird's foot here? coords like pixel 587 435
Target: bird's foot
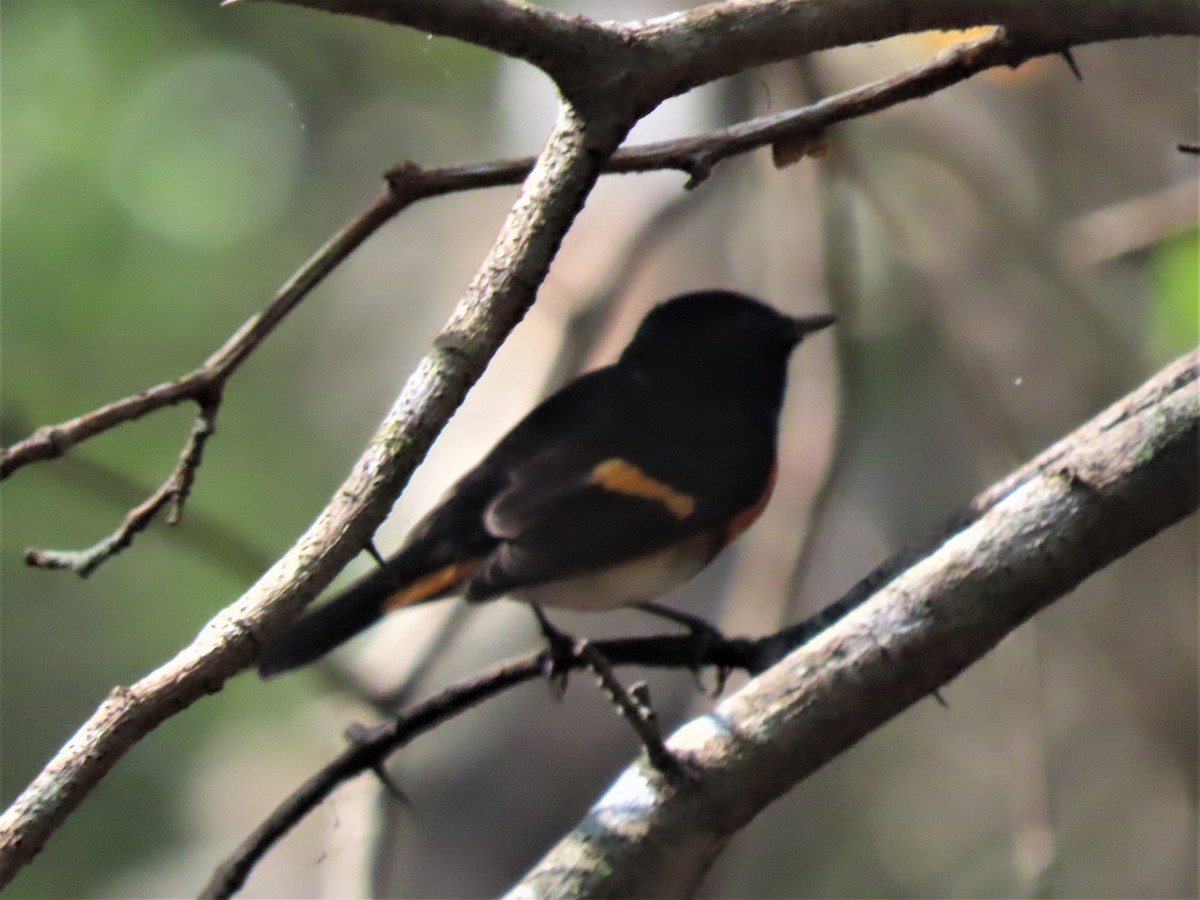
pixel 703 638
pixel 561 653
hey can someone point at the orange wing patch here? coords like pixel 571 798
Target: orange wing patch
pixel 624 477
pixel 746 517
pixel 430 585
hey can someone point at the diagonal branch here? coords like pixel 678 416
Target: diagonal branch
pixel 1113 484
pixel 1170 454
pixel 493 304
pixel 697 155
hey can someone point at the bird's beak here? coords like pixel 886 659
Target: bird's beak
pixel 808 324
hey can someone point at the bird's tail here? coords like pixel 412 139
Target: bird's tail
pixel 362 605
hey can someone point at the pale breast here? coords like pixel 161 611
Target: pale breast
pixel 640 580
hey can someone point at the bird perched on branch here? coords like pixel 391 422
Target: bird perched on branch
pixel 611 492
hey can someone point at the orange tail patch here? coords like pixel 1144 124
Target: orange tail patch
pixel 431 585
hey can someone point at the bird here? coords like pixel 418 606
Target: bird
pixel 611 492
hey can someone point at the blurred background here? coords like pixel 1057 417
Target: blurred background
pixel 1006 257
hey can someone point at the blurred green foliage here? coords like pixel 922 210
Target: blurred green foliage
pixel 1175 316
pixel 165 166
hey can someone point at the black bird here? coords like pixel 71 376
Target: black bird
pixel 611 492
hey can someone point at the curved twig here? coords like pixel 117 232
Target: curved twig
pixel 371 746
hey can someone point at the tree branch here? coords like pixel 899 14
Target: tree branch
pixel 570 49
pixel 609 96
pixel 1094 496
pixel 205 382
pixel 409 183
pixel 672 54
pixel 171 493
pixel 719 39
pixel 371 747
pixel 495 301
pixel 1112 498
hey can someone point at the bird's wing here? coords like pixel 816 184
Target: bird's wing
pixel 600 497
pixel 578 508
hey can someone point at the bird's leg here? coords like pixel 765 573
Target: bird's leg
pixel 703 637
pixel 634 706
pixel 561 651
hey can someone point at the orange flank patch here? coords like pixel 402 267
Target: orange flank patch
pixel 624 477
pixel 746 517
pixel 430 585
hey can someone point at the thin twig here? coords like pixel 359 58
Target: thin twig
pixel 409 183
pixel 172 493
pixel 373 745
pixel 1131 225
pixel 635 710
pixel 205 534
pixel 204 385
pixel 1175 385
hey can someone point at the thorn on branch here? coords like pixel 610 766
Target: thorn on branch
pixel 1069 58
pixel 699 168
pixel 374 553
pixel 360 735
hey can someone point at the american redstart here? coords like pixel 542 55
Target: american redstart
pixel 611 492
